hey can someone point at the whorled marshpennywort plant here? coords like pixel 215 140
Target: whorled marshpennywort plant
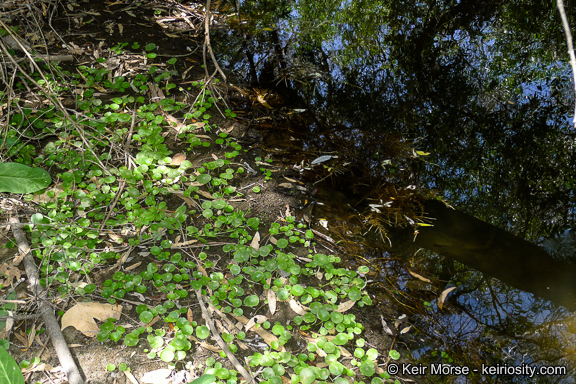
pixel 98 215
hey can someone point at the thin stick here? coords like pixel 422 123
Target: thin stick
pixel 123 182
pixel 45 309
pixel 19 317
pixel 219 340
pixel 207 44
pixel 560 5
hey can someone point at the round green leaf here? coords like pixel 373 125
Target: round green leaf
pixel 307 376
pixel 146 317
pixel 235 269
pixel 367 368
pixel 340 339
pixel 204 379
pixel 282 243
pixel 359 353
pixel 336 317
pixel 202 332
pixel 355 294
pixel 251 301
pixel 131 340
pixel 204 178
pixel 167 355
pixel 363 269
pixel 297 290
pixel 283 294
pixel 394 354
pixel 372 354
pixel 336 368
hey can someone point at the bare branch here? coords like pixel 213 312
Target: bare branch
pixel 219 340
pixel 207 44
pixel 560 5
pixel 46 311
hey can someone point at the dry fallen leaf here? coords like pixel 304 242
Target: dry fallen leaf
pixel 443 296
pixel 345 352
pixel 205 194
pixel 343 307
pixel 256 319
pixel 228 130
pixel 39 368
pixel 404 330
pixel 298 308
pixel 31 336
pixel 264 334
pixel 421 278
pixel 159 376
pixel 271 296
pixel 241 344
pixel 184 244
pixel 82 315
pixel 288 213
pixel 400 320
pixel 256 241
pixel 22 338
pixel 178 159
pixel 385 326
pixel 131 377
pixel 175 124
pixel 10 272
pixel 199 124
pixel 201 268
pixel 8 328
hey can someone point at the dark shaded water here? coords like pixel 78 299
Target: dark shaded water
pixel 482 93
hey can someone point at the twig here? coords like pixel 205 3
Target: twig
pixel 111 208
pixel 207 44
pixel 123 182
pixel 180 246
pixel 45 309
pixel 47 58
pixel 560 5
pixel 327 238
pixel 20 317
pixel 246 186
pixel 219 340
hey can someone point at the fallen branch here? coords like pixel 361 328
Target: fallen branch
pixel 220 341
pixel 57 58
pixel 46 311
